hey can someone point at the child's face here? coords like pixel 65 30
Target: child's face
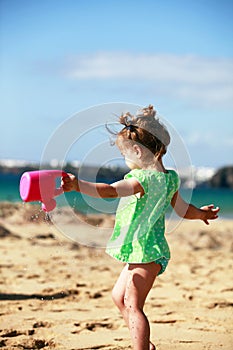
pixel 129 153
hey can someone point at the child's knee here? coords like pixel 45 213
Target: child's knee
pixel 117 298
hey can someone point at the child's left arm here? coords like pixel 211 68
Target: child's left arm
pixel 189 211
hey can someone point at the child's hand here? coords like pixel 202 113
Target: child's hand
pixel 69 183
pixel 209 213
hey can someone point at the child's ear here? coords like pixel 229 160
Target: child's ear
pixel 138 151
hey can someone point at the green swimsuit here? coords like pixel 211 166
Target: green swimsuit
pixel 138 235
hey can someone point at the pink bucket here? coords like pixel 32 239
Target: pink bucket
pixel 40 185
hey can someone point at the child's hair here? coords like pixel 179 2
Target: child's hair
pixel 146 129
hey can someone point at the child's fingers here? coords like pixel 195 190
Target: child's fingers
pixel 65 180
pixel 69 183
pixel 66 187
pixel 210 207
pixel 65 183
pixel 67 177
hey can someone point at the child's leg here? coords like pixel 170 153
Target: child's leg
pixel 122 299
pixel 139 282
pixel 118 292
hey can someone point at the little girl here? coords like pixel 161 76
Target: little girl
pixel 138 237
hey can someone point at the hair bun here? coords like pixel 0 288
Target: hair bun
pixel 147 112
pixel 146 120
pixel 127 119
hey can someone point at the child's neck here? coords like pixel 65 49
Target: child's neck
pixel 157 165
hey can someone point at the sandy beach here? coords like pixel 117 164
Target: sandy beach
pixel 55 293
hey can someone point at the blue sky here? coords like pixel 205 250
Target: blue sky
pixel 61 57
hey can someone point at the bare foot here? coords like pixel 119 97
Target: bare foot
pixel 152 347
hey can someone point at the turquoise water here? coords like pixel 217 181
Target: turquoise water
pixel 9 191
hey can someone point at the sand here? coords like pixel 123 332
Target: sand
pixel 56 293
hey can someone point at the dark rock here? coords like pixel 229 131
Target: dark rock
pixel 223 178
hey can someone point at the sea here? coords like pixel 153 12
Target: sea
pixel 221 197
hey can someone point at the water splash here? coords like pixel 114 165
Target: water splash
pixel 48 217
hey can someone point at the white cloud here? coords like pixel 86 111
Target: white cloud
pixel 211 138
pixel 195 138
pixel 199 79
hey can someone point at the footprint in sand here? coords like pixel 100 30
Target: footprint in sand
pixel 37 344
pixel 93 326
pixel 5 233
pixel 220 304
pixel 11 333
pixel 14 333
pixel 42 324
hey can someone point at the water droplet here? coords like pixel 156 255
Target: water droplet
pixel 47 216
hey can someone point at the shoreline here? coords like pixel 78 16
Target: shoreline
pixel 37 206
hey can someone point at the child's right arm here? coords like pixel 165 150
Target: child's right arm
pixel 120 188
pixel 189 211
